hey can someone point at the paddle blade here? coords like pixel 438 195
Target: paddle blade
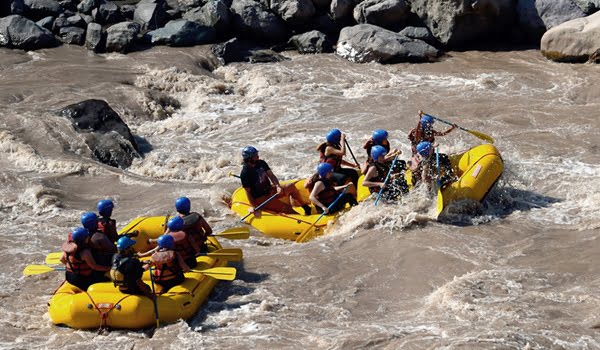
pixel 481 135
pixel 40 269
pixel 305 236
pixel 230 254
pixel 53 258
pixel 219 273
pixel 235 233
pixel 439 202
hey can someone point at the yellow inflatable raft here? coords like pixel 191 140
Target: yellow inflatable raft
pixel 103 305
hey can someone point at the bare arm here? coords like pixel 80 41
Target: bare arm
pixel 315 192
pixel 148 253
pixel 86 256
pixel 370 174
pixel 63 258
pixel 438 133
pixel 182 263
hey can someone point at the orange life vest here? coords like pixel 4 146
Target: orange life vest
pixel 183 245
pixel 75 264
pixel 167 265
pixel 334 160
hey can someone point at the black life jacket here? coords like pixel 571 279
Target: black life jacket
pixel 328 194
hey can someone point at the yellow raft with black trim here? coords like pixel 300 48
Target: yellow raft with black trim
pixel 103 305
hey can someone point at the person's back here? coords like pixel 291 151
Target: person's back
pixel 169 264
pixel 325 196
pixel 80 268
pixel 194 225
pixel 332 152
pixel 106 225
pixel 127 270
pixel 182 242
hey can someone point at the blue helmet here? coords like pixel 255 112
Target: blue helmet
pixel 105 207
pixel 424 148
pixel 124 243
pixel 426 120
pixel 79 234
pixel 89 220
pixel 183 205
pixel 334 136
pixel 175 224
pixel 324 168
pixel 249 152
pixel 166 241
pixel 378 151
pixel 379 136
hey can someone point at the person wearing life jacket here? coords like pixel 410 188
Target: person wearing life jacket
pixel 127 270
pixel 101 246
pixel 194 225
pixel 379 138
pixel 377 172
pixel 325 192
pixel 332 152
pixel 182 244
pixel 79 261
pixel 169 264
pixel 427 169
pixel 260 184
pixel 106 225
pixel 425 132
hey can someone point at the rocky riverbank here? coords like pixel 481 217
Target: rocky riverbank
pixel 385 31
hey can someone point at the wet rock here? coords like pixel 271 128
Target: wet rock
pixel 573 41
pixel 19 32
pixel 46 22
pixel 419 33
pixel 95 38
pixel 86 6
pixel 127 11
pixel 312 42
pixel 251 19
pixel 293 11
pixel 70 5
pixel 38 9
pixel 537 16
pixel 107 13
pixel 76 21
pixel 341 10
pixel 236 50
pixel 459 23
pixel 121 36
pixel 213 14
pixel 182 33
pixel 107 136
pixel 150 15
pixel 368 43
pixel 184 5
pixel 72 35
pixel 389 14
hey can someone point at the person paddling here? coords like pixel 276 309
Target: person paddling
pixel 127 270
pixel 182 243
pixel 325 193
pixel 332 151
pixel 427 169
pixel 79 261
pixel 379 138
pixel 425 132
pixel 377 172
pixel 196 228
pixel 169 264
pixel 101 246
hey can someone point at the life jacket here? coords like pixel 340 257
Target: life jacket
pixel 396 177
pixel 334 160
pixel 101 244
pixel 418 135
pixel 382 171
pixel 167 265
pixel 182 244
pixel 328 194
pixel 193 228
pixel 75 264
pixel 120 269
pixel 109 228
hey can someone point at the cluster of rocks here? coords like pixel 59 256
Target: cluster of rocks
pixel 359 30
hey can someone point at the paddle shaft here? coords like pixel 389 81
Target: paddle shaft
pixel 154 299
pixel 477 134
pixel 303 235
pixel 437 164
pixel 387 177
pixel 260 206
pixel 352 153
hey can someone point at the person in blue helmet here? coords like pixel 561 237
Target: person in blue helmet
pixel 324 192
pixel 169 264
pixel 260 184
pixel 427 168
pixel 379 138
pixel 425 132
pixel 106 225
pixel 196 228
pixel 81 268
pixel 185 246
pixel 332 151
pixel 127 270
pixel 101 246
pixel 377 173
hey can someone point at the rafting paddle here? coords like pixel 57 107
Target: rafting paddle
pixel 219 273
pixel 352 153
pixel 260 206
pixel 440 198
pixel 478 134
pixel 387 177
pixel 154 299
pixel 235 233
pixel 304 235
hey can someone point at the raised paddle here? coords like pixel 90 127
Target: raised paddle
pixel 352 153
pixel 219 273
pixel 260 206
pixel 304 235
pixel 440 198
pixel 478 134
pixel 154 299
pixel 387 177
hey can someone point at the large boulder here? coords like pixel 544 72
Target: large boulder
pixel 121 36
pixel 107 13
pixel 368 43
pixel 150 15
pixel 46 22
pixel 86 6
pixel 293 11
pixel 214 13
pixel 236 50
pixel 21 33
pixel 389 14
pixel 95 38
pixel 38 9
pixel 107 136
pixel 72 35
pixel 251 19
pixel 182 33
pixel 312 42
pixel 537 16
pixel 459 23
pixel 573 41
pixel 420 33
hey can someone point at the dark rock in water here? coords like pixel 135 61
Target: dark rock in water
pixel 214 13
pixel 182 33
pixel 95 38
pixel 70 5
pixel 236 50
pixel 368 43
pixel 537 16
pixel 184 5
pixel 577 40
pixel 251 19
pixel 122 36
pixel 107 13
pixel 127 11
pixel 389 14
pixel 38 9
pixel 312 42
pixel 86 6
pixel 150 15
pixel 72 35
pixel 419 33
pixel 110 139
pixel 294 11
pixel 341 10
pixel 46 22
pixel 21 33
